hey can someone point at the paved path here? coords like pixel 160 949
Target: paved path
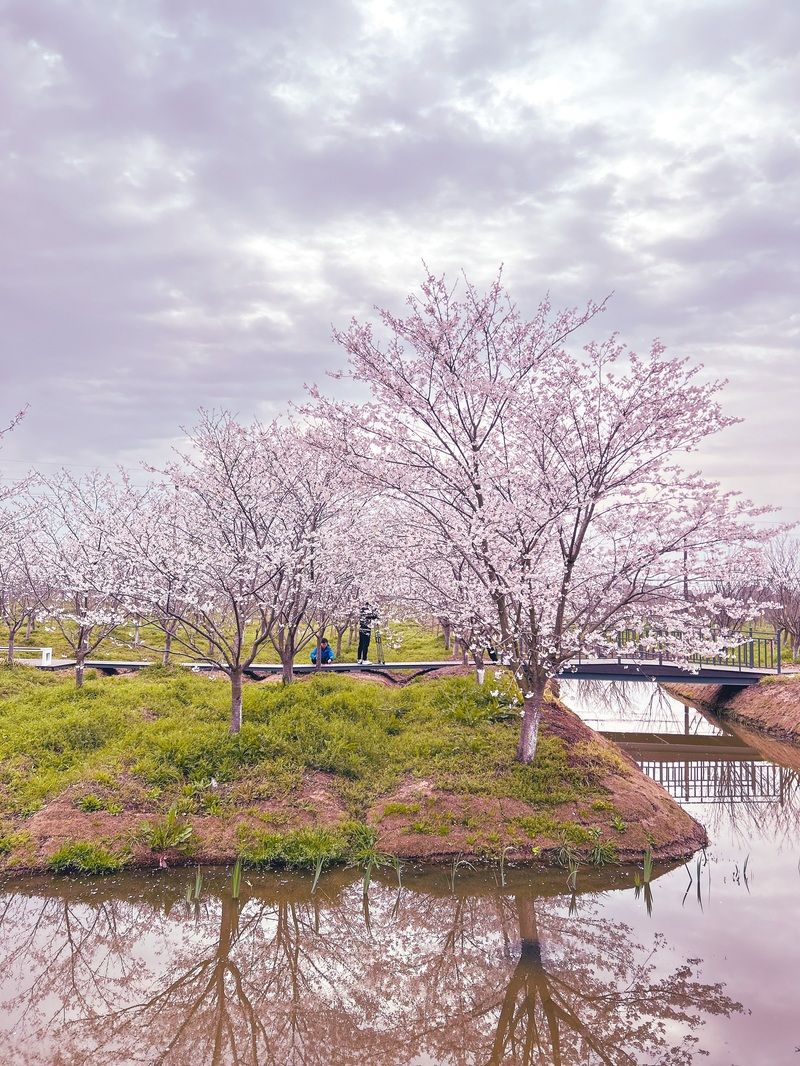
pixel 585 669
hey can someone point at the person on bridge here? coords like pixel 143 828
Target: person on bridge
pixel 366 618
pixel 325 653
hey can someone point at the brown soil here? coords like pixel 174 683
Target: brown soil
pixel 772 706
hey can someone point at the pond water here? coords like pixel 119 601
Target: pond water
pixel 454 967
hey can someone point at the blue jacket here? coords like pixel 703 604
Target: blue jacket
pixel 327 655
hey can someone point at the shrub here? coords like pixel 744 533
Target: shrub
pixel 298 849
pixel 83 857
pixel 171 831
pixel 160 671
pixel 90 803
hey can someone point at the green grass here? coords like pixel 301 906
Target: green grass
pixel 90 803
pixel 161 737
pixel 82 857
pixel 402 641
pixel 297 850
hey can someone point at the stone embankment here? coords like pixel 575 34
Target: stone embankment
pixel 772 706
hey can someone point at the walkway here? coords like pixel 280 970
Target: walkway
pixel 584 669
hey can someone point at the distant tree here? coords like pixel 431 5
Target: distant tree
pixel 321 521
pixel 20 585
pixel 551 477
pixel 782 562
pixel 83 581
pixel 15 610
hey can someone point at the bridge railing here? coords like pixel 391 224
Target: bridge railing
pixel 653 645
pixel 724 782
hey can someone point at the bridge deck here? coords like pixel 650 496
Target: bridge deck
pixel 680 747
pixel 584 669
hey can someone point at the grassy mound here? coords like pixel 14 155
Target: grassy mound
pixel 428 767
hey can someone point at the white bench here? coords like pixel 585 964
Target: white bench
pixel 46 653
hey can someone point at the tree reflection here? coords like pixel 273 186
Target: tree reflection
pixel 481 979
pixel 566 1012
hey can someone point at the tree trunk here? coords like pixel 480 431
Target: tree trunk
pixel 11 635
pixel 340 632
pixel 80 659
pixel 480 672
pixel 167 646
pixel 236 699
pixel 287 662
pixel 29 625
pixel 517 1018
pixel 531 716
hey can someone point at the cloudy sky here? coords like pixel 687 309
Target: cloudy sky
pixel 193 191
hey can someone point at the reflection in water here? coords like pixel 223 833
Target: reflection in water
pixel 128 972
pixel 125 971
pixel 747 783
pixel 604 703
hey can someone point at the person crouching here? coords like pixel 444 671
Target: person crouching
pixel 325 653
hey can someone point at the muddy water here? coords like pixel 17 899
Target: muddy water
pixel 454 967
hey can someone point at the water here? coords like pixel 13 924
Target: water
pixel 452 968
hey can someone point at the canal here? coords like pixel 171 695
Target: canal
pixel 463 966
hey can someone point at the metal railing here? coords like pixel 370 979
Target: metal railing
pixel 653 645
pixel 718 781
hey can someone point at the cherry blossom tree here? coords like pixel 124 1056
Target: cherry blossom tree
pixel 552 477
pixel 321 530
pixel 15 609
pixel 83 580
pixel 20 586
pixel 241 546
pixel 203 551
pixel 782 564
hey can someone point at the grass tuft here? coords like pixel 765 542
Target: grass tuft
pixel 83 857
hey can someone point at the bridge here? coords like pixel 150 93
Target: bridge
pixel 716 769
pixel 597 669
pixel 620 669
pixel 630 669
pixel 739 667
pixel 743 665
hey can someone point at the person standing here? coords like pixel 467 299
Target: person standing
pixel 365 620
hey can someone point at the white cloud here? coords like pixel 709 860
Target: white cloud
pixel 192 194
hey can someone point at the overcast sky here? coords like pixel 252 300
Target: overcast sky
pixel 192 192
